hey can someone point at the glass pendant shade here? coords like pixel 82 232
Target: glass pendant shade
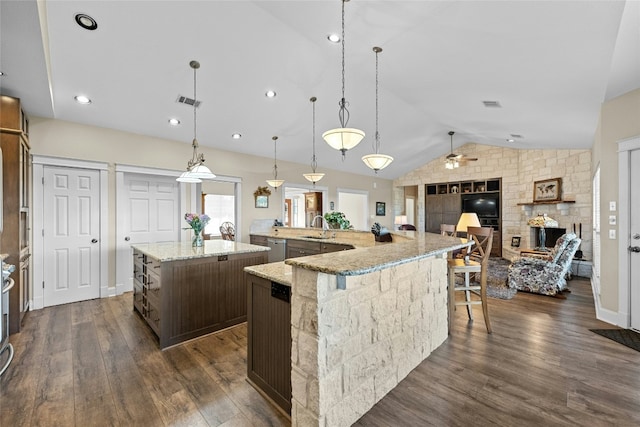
pixel 451 164
pixel 343 139
pixel 202 172
pixel 188 178
pixel 313 176
pixel 377 161
pixel 275 183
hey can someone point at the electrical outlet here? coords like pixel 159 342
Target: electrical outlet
pixel 612 220
pixel 612 234
pixel 612 206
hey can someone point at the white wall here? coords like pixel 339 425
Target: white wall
pixel 71 140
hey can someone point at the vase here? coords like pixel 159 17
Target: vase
pixel 197 238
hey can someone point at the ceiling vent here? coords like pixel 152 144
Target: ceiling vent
pixel 188 101
pixel 515 135
pixel 492 104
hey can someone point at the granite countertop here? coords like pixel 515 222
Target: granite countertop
pixel 369 259
pixel 276 271
pixel 173 251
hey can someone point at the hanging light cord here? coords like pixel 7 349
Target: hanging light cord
pixel 314 163
pixel 275 161
pixel 376 145
pixel 343 114
pixel 197 159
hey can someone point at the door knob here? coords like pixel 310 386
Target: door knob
pixel 94 240
pixel 126 239
pixel 636 236
pixel 634 248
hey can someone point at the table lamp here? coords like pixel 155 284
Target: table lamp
pixel 399 220
pixel 467 219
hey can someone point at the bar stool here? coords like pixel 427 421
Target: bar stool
pixel 475 261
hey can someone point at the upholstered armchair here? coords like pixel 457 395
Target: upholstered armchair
pixel 545 276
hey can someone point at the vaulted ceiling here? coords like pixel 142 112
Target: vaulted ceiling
pixel 549 64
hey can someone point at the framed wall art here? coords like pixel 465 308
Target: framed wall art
pixel 548 190
pixel 381 209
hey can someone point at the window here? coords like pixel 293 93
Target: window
pixel 220 208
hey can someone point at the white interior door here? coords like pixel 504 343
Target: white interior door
pixel 71 235
pixel 149 212
pixel 634 230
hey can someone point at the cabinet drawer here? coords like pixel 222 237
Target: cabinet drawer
pixel 152 264
pixel 153 287
pixel 153 317
pixel 334 247
pixel 137 297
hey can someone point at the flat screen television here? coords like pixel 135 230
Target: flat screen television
pixel 484 205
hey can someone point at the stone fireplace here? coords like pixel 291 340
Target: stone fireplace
pixel 553 233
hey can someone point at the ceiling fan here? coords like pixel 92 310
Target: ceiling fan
pixel 453 160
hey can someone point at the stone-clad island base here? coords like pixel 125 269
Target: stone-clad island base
pixel 351 347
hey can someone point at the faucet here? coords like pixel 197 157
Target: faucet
pixel 325 226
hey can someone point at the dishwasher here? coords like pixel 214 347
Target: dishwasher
pixel 278 249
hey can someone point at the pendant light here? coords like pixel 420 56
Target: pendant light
pixel 275 182
pixel 196 170
pixel 377 161
pixel 343 138
pixel 313 176
pixel 452 159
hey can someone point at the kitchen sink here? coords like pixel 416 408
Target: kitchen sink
pixel 315 237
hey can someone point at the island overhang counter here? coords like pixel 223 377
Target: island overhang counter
pixel 183 292
pixel 361 320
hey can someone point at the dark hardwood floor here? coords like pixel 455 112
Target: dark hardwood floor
pixel 97 363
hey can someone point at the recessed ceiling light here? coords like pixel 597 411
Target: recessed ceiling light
pixel 81 99
pixel 1 73
pixel 174 122
pixel 236 136
pixel 511 140
pixel 333 38
pixel 270 94
pixel 86 22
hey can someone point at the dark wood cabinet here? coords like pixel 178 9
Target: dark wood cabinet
pixel 269 339
pixel 16 172
pixel 298 248
pixel 444 204
pixel 312 208
pixel 184 299
pixel 258 240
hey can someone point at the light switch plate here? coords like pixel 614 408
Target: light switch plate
pixel 612 234
pixel 612 220
pixel 612 206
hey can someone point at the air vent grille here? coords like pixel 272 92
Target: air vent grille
pixel 188 101
pixel 515 135
pixel 492 104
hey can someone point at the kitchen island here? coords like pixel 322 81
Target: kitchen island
pixel 183 292
pixel 360 321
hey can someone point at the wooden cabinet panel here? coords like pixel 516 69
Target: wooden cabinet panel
pixel 15 238
pixel 185 299
pixel 258 240
pixel 299 248
pixel 269 340
pixel 333 247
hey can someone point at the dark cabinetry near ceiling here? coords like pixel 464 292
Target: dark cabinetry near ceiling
pixel 16 172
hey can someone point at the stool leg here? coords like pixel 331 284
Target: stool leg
pixel 483 297
pixel 467 296
pixel 452 302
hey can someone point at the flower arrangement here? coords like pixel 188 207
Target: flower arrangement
pixel 197 222
pixel 337 220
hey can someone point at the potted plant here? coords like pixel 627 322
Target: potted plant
pixel 337 220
